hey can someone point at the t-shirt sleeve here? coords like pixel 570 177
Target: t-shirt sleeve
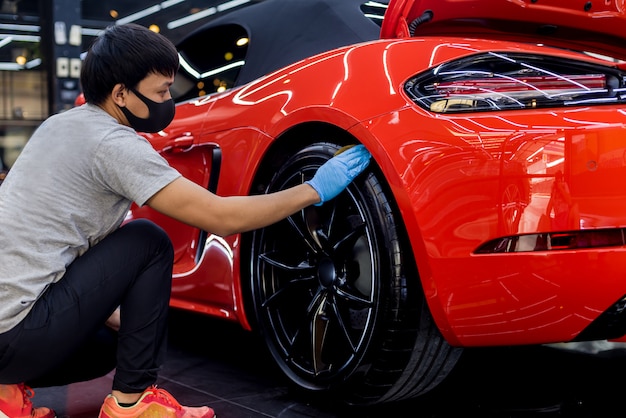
pixel 128 165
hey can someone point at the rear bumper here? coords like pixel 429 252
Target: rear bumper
pixel 533 297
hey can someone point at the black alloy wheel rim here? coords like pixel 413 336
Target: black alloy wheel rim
pixel 315 289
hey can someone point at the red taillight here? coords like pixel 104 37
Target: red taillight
pixel 502 81
pixel 503 84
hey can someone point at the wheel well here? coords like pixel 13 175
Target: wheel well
pixel 292 140
pixel 362 330
pixel 279 151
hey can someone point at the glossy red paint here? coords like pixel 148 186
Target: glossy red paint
pixel 451 176
pixel 494 194
pixel 456 191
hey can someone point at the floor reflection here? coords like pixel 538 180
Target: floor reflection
pixel 218 363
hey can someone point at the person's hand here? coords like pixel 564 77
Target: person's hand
pixel 338 172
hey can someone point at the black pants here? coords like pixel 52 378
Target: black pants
pixel 63 339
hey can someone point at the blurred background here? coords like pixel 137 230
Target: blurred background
pixel 41 43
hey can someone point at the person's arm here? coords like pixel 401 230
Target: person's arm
pixel 188 202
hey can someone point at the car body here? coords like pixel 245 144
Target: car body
pixel 493 212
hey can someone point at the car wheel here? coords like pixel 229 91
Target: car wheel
pixel 337 297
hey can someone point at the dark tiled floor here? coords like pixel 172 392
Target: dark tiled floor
pixel 216 363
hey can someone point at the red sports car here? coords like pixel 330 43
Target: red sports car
pixel 493 213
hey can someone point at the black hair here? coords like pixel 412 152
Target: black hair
pixel 125 54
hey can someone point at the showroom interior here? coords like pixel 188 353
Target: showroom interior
pixel 41 42
pixel 214 362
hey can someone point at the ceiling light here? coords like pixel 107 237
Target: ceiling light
pixel 205 13
pixel 9 66
pixel 136 16
pixel 21 38
pixel 191 18
pixel 376 4
pixel 91 31
pixel 169 3
pixel 230 4
pixel 149 11
pixel 5 41
pixel 33 63
pixel 23 28
pixel 194 73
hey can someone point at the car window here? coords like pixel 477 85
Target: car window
pixel 375 10
pixel 212 58
pixel 210 61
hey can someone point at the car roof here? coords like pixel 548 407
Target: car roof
pixel 285 31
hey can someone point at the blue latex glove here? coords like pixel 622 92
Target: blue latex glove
pixel 338 172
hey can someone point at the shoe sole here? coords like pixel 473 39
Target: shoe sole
pixel 2 415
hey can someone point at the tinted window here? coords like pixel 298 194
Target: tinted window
pixel 375 10
pixel 210 61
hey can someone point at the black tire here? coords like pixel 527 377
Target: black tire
pixel 337 296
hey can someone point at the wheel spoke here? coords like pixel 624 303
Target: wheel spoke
pixel 319 330
pixel 348 241
pixel 273 258
pixel 310 333
pixel 314 227
pixel 354 297
pixel 345 329
pixel 298 276
pixel 302 228
pixel 284 293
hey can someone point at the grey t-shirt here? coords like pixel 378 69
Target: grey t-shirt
pixel 70 187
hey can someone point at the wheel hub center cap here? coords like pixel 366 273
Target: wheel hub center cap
pixel 326 272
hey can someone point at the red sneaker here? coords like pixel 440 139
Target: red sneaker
pixel 153 403
pixel 15 403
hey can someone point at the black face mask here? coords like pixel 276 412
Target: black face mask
pixel 161 114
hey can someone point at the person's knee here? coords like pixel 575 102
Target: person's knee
pixel 153 234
